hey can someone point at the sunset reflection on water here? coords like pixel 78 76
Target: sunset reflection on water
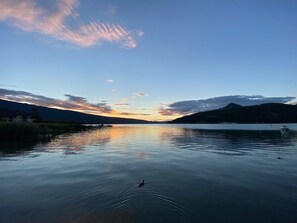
pixel 189 175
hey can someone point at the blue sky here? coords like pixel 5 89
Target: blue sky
pixel 156 53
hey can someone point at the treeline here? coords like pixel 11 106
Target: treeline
pixel 11 131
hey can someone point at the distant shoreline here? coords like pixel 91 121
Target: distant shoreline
pixel 20 131
pixel 238 126
pixel 224 126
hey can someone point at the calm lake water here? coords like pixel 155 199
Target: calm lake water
pixel 191 176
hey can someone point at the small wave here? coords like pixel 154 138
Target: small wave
pixel 178 207
pixel 123 199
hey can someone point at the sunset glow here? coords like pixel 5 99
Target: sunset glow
pixel 151 60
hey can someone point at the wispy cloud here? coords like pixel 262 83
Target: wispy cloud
pixel 123 102
pixel 76 98
pixel 109 81
pixel 140 33
pixel 140 94
pixel 132 114
pixel 31 17
pixel 71 102
pixel 193 106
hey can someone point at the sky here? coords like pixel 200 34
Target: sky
pixel 153 60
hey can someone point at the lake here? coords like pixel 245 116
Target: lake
pixel 190 176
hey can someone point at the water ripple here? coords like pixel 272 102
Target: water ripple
pixel 192 176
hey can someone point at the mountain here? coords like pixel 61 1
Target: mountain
pixel 265 113
pixel 231 106
pixel 57 115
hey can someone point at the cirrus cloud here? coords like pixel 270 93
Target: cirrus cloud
pixel 32 17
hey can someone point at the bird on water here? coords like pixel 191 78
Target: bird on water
pixel 141 184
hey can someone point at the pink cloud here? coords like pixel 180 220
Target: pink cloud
pixel 123 102
pixel 140 94
pixel 133 114
pixel 29 17
pixel 168 112
pixel 71 102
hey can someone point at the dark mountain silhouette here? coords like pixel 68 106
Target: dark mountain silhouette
pixel 232 113
pixel 231 106
pixel 57 115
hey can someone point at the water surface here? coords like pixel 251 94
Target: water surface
pixel 191 176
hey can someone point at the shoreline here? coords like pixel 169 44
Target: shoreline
pixel 238 126
pixel 225 126
pixel 21 136
pixel 21 131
